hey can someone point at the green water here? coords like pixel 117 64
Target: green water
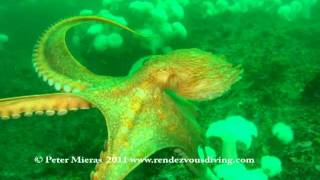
pixel 276 43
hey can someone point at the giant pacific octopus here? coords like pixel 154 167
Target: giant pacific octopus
pixel 142 117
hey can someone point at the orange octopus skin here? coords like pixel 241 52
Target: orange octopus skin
pixel 145 112
pixel 48 104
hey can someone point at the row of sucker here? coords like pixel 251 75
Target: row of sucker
pixel 71 87
pixel 50 107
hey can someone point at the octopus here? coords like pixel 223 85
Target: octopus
pixel 145 111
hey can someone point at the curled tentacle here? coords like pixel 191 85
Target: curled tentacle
pixel 54 62
pixel 48 104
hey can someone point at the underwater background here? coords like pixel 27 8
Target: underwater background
pixel 276 42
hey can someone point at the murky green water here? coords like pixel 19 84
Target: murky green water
pixel 277 44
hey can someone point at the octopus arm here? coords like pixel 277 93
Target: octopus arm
pixel 54 62
pixel 49 104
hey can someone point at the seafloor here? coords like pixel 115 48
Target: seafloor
pixel 280 83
